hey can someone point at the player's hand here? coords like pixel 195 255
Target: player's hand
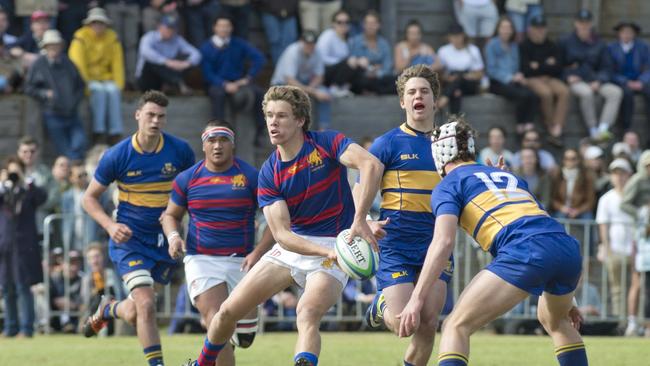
pixel 361 228
pixel 576 317
pixel 331 254
pixel 409 318
pixel 120 233
pixel 250 260
pixel 500 164
pixel 377 228
pixel 176 247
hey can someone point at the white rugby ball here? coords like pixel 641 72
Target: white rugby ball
pixel 356 258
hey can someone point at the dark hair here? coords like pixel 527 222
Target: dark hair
pixel 27 140
pixel 153 96
pixel 372 13
pixel 502 19
pixel 501 129
pixel 412 23
pixel 418 71
pixel 538 163
pixel 339 12
pixel 218 123
pixel 15 160
pixel 523 137
pixel 223 16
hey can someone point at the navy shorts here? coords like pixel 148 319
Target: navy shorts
pixel 148 252
pixel 402 266
pixel 549 262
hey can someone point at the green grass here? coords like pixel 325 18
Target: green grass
pixel 271 349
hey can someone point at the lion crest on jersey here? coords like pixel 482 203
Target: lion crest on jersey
pixel 238 181
pixel 314 160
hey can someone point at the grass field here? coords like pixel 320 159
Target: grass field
pixel 338 349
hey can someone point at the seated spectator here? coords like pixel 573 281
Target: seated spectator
pixel 11 70
pixel 630 58
pixel 238 11
pixel 315 14
pixel 539 182
pixel 333 47
pixel 97 53
pixel 152 14
pixel 125 15
pixel 463 68
pixel 27 47
pixel 540 62
pixel 573 189
pixel 370 54
pixel 357 10
pixel 7 39
pixel 496 147
pixel 616 229
pixel 502 59
pixel 632 140
pixel 58 96
pixel 79 228
pixel 478 18
pixel 301 65
pixel 412 51
pixel 29 154
pixel 280 24
pixel 199 18
pixel 586 69
pixel 65 294
pixel 164 57
pixel 521 12
pixel 224 64
pixel 531 139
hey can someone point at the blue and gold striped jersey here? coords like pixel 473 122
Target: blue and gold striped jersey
pixel 409 178
pixel 144 180
pixel 493 206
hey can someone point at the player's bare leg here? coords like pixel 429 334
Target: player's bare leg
pixel 483 300
pixel 144 300
pixel 208 304
pixel 396 298
pixel 553 314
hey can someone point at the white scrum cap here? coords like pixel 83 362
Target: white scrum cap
pixel 444 145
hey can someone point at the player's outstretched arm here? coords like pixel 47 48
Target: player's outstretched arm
pixel 263 246
pixel 370 173
pixel 442 245
pixel 279 220
pixel 171 221
pixel 120 233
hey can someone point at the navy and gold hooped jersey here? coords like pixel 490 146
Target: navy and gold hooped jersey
pixel 493 206
pixel 144 180
pixel 409 178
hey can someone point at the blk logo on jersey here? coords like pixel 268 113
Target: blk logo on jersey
pixel 409 157
pixel 134 173
pixel 135 263
pixel 399 274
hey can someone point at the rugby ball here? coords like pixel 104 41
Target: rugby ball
pixel 356 259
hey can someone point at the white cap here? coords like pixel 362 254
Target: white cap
pixel 621 148
pixel 593 152
pixel 622 164
pixel 51 36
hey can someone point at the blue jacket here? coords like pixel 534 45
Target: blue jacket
pixel 590 58
pixel 502 64
pixel 227 64
pixel 382 55
pixel 641 62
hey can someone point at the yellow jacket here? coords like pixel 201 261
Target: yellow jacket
pixel 98 58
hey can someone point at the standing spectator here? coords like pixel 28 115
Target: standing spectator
pixel 496 147
pixel 540 60
pixel 224 60
pixel 20 255
pixel 55 82
pixel 280 24
pixel 7 38
pixel 315 14
pixel 539 182
pixel 412 51
pixel 199 17
pixel 521 12
pixel 239 12
pixel 65 293
pixel 152 14
pixel 27 47
pixel 643 240
pixel 125 15
pixel 506 79
pixel 616 230
pixel 632 140
pixel 71 15
pixel 55 188
pixel 478 18
pixel 587 70
pixel 463 68
pixel 594 160
pixel 164 58
pixel 573 189
pixel 79 228
pixel 30 155
pixel 631 69
pixel 301 65
pixel 97 53
pixel 531 139
pixel 371 54
pixel 636 193
pixel 334 49
pixel 11 70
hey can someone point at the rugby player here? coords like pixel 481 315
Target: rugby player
pixel 306 200
pixel 144 166
pixel 532 252
pixel 409 178
pixel 220 195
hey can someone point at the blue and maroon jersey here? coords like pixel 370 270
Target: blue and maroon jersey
pixel 221 207
pixel 314 185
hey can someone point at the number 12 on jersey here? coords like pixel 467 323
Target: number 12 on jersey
pixel 509 192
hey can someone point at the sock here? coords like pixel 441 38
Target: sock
pixel 209 353
pixel 110 310
pixel 153 355
pixel 452 359
pixel 572 355
pixel 408 363
pixel 307 356
pixel 631 319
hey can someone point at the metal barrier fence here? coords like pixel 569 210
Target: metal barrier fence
pixel 469 261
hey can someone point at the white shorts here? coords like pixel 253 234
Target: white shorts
pixel 202 272
pixel 303 266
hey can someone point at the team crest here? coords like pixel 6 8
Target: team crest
pixel 168 170
pixel 327 263
pixel 314 160
pixel 238 181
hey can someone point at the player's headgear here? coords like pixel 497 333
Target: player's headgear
pixel 445 146
pixel 218 131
